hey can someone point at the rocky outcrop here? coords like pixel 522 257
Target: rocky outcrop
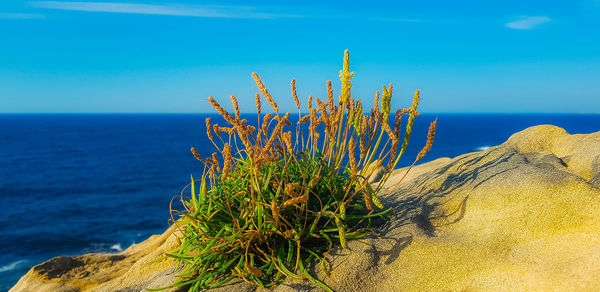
pixel 524 215
pixel 140 266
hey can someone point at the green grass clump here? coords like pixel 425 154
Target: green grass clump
pixel 271 201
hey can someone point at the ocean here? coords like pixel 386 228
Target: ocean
pixel 79 183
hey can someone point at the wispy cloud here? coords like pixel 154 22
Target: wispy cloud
pixel 528 22
pixel 215 11
pixel 10 15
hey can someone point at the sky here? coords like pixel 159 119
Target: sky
pixel 168 56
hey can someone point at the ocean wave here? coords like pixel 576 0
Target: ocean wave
pixel 482 148
pixel 116 247
pixel 12 266
pixel 103 248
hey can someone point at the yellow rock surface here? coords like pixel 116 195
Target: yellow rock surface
pixel 521 216
pixel 134 269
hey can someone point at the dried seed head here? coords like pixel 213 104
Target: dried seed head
pixel 325 119
pixel 287 140
pixel 294 201
pixel 398 122
pixel 257 101
pixel 243 134
pixel 209 129
pixel 294 94
pixel 195 153
pixel 303 119
pixel 211 170
pixel 430 136
pixel 363 136
pixel 220 110
pixel 216 129
pixel 253 270
pixel 290 189
pixel 368 203
pixel 320 104
pixel 329 94
pixel 388 130
pixel 215 160
pixel 226 160
pixel 223 129
pixel 236 107
pixel 313 120
pixel 276 131
pixel 310 98
pixel 376 101
pixel 265 123
pixel 275 209
pixel 285 120
pixel 351 151
pixel 265 93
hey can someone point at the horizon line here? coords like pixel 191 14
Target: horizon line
pixel 250 113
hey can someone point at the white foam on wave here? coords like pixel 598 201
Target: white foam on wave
pixel 482 148
pixel 116 247
pixel 12 266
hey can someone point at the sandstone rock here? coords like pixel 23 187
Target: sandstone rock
pixel 524 215
pixel 139 266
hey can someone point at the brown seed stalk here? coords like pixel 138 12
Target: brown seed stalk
pixel 293 201
pixel 265 123
pixel 351 151
pixel 263 90
pixel 195 153
pixel 430 137
pixel 275 210
pixel 276 131
pixel 294 94
pixel 223 129
pixel 286 121
pixel 388 130
pixel 287 139
pixel 368 203
pixel 216 129
pixel 222 111
pixel 363 136
pixel 209 129
pixel 258 105
pixel 215 160
pixel 236 107
pixel 226 159
pixel 303 119
pixel 329 94
pixel 376 101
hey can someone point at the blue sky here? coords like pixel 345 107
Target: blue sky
pixel 169 56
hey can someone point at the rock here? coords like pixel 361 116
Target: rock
pixel 139 266
pixel 524 215
pixel 375 171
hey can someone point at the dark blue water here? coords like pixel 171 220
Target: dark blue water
pixel 72 184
